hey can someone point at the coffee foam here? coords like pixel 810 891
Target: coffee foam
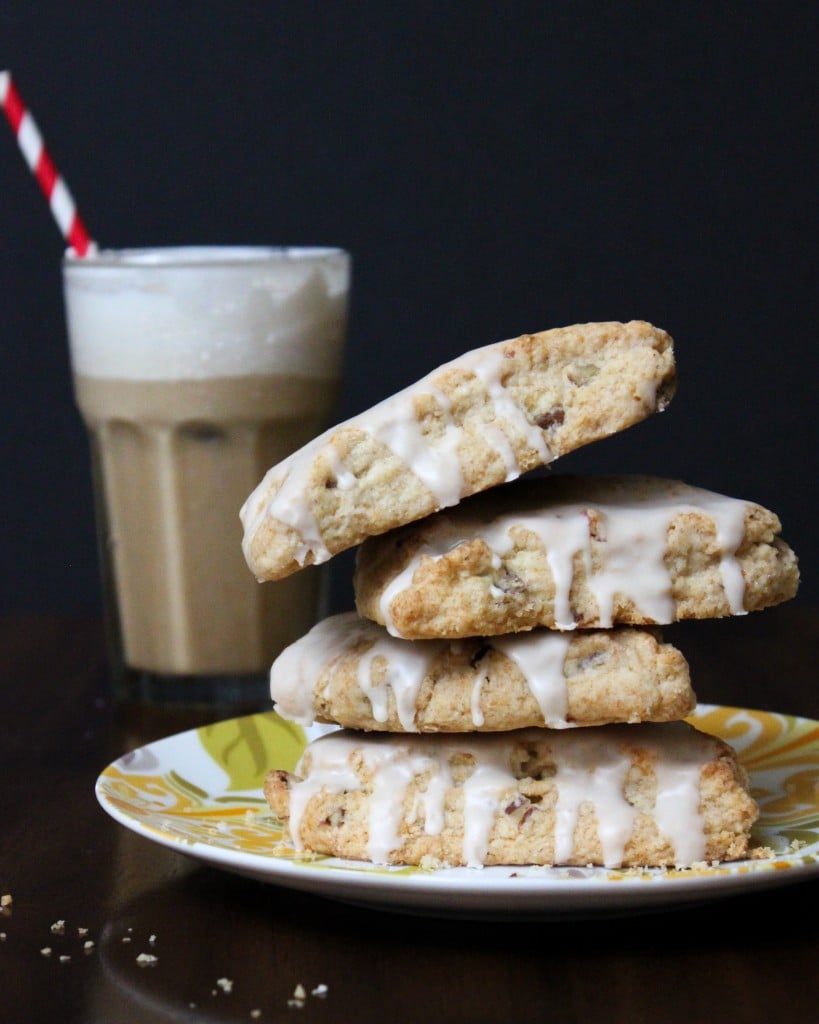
pixel 199 313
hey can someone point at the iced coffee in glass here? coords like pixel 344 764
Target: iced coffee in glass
pixel 196 370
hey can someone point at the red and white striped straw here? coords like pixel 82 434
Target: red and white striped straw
pixel 40 163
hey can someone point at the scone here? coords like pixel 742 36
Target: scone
pixel 617 795
pixel 569 551
pixel 351 672
pixel 475 422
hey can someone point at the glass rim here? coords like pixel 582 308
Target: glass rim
pixel 199 257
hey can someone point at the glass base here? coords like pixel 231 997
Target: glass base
pixel 235 692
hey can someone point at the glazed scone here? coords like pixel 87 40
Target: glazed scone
pixel 475 422
pixel 646 795
pixel 349 671
pixel 569 551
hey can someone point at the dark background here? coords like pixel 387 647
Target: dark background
pixel 493 168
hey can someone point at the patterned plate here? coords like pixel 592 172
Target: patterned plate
pixel 199 792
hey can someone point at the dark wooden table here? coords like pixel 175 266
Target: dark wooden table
pixel 745 959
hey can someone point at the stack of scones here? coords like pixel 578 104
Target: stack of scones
pixel 504 692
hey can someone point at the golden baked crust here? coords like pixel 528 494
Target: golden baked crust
pixel 350 672
pixel 622 796
pixel 475 422
pixel 632 550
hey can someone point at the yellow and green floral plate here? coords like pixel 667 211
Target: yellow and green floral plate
pixel 199 792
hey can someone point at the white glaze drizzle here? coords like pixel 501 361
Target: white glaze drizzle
pixel 484 792
pixel 487 365
pixel 475 698
pixel 342 774
pixel 391 776
pixel 440 539
pixel 344 479
pixel 589 771
pixel 677 807
pixel 433 459
pixel 539 656
pixel 296 669
pixel 591 768
pixel 632 535
pixel 405 666
pixel 497 440
pixel 437 463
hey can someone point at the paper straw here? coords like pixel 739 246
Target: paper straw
pixel 40 163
